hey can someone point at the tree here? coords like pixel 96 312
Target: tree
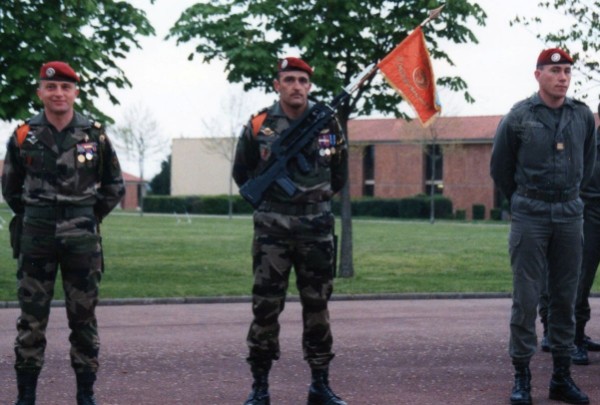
pixel 139 136
pixel 161 183
pixel 575 27
pixel 91 35
pixel 339 38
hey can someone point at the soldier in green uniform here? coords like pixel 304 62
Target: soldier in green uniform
pixel 61 178
pixel 544 152
pixel 291 232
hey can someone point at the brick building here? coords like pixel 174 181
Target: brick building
pixel 392 158
pixel 134 187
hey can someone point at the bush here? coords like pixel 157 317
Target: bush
pixel 461 215
pixel 496 214
pixel 478 211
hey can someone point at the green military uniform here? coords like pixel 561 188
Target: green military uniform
pixel 292 231
pixel 63 184
pixel 544 152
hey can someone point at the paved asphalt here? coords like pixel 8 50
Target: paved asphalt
pixel 392 352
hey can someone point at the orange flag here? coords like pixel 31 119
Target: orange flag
pixel 408 70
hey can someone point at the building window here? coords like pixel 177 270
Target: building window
pixel 369 171
pixel 434 169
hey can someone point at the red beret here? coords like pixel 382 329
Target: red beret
pixel 554 56
pixel 58 71
pixel 291 63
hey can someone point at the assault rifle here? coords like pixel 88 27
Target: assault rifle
pixel 290 143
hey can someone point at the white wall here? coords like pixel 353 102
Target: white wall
pixel 201 166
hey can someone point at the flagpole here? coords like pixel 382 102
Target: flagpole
pixel 433 14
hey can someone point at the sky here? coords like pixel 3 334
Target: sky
pixel 190 98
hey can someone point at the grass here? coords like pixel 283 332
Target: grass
pixel 167 256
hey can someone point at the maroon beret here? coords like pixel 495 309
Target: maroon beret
pixel 554 56
pixel 291 63
pixel 58 71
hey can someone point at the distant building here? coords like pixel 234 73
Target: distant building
pixel 134 187
pixel 393 158
pixel 202 166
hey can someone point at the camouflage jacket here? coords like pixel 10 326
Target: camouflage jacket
pixel 327 157
pixel 77 166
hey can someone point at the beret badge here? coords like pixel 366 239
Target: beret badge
pixel 555 57
pixel 50 72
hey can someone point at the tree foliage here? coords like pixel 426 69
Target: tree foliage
pixel 91 35
pixel 575 27
pixel 161 183
pixel 340 38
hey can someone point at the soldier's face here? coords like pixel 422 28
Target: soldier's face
pixel 58 97
pixel 293 88
pixel 554 80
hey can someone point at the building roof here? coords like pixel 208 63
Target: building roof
pixel 130 178
pixel 476 129
pixel 480 129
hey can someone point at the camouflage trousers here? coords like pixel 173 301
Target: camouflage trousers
pixel 73 245
pixel 280 243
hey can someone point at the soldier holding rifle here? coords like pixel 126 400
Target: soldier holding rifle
pixel 293 227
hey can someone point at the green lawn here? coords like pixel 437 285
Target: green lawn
pixel 167 256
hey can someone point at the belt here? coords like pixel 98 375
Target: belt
pixel 549 196
pixel 59 211
pixel 295 209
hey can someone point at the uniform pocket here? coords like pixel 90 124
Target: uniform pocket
pixel 514 240
pixel 34 160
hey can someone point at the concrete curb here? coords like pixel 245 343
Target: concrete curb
pixel 291 298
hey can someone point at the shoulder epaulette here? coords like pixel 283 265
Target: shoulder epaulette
pixel 22 131
pixel 257 121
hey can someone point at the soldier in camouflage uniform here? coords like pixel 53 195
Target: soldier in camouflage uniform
pixel 292 231
pixel 61 178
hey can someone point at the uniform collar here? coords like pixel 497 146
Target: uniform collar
pixel 536 100
pixel 78 121
pixel 277 111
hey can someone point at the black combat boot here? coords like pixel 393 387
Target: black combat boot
pixel 562 386
pixel 580 357
pixel 521 392
pixel 26 385
pixel 590 344
pixel 319 392
pixel 260 390
pixel 85 388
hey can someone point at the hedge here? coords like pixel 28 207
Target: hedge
pixel 412 207
pixel 478 211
